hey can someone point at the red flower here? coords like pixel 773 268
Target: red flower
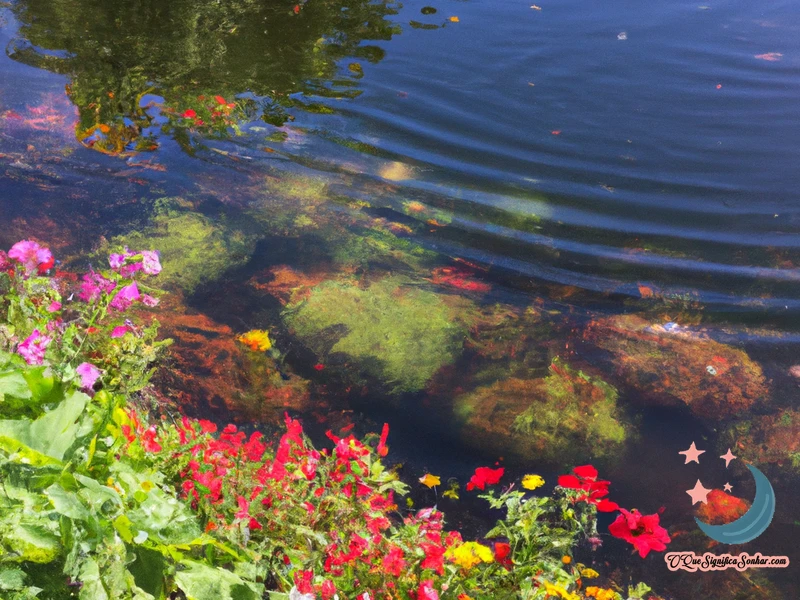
pixel 585 479
pixel 327 590
pixel 220 100
pixel 434 557
pixel 189 114
pixel 484 476
pixel 643 531
pixel 394 563
pixel 303 582
pixel 427 591
pixel 502 554
pixel 319 366
pixel 382 449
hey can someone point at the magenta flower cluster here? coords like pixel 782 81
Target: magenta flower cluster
pixel 27 258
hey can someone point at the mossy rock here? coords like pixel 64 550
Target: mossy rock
pixel 391 330
pixel 560 418
pixel 771 440
pixel 194 249
pixel 680 367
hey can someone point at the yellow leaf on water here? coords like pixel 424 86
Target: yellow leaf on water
pixel 454 19
pixel 430 480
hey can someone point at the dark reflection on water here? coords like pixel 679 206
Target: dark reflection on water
pixel 550 163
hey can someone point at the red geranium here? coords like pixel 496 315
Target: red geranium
pixel 585 479
pixel 485 476
pixel 643 531
pixel 502 554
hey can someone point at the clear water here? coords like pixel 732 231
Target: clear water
pixel 589 159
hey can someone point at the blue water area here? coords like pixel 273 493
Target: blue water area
pixel 585 160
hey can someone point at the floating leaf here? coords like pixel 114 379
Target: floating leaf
pixel 430 480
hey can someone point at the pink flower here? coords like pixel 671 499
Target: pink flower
pixel 119 331
pixel 33 257
pixel 5 264
pixel 427 591
pixel 54 307
pixel 148 300
pixel 89 375
pixel 125 297
pixel 94 285
pixel 150 262
pixel 117 260
pixel 33 348
pixel 643 531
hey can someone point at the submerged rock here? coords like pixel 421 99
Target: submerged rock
pixel 391 330
pixel 671 366
pixel 193 248
pixel 560 418
pixel 209 369
pixel 772 439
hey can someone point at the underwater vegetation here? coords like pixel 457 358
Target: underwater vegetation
pixel 195 248
pixel 674 367
pixel 390 329
pixel 553 418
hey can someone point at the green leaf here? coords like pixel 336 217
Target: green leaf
pixel 32 543
pixel 67 503
pixel 52 434
pixel 201 582
pixel 12 579
pixel 13 384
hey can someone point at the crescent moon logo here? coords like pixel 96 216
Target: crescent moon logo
pixel 751 524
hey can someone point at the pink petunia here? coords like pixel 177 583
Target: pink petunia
pixel 119 331
pixel 125 297
pixel 5 264
pixel 150 262
pixel 33 257
pixel 94 285
pixel 148 300
pixel 34 347
pixel 89 375
pixel 54 306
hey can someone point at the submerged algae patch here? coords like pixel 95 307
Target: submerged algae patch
pixel 558 418
pixel 194 249
pixel 393 330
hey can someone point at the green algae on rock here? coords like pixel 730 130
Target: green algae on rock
pixel 193 248
pixel 565 416
pixel 392 330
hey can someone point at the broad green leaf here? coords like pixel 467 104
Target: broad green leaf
pixel 13 384
pixel 12 579
pixel 32 543
pixel 55 432
pixel 92 588
pixel 67 503
pixel 200 582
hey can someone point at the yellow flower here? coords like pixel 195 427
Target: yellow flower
pixel 531 482
pixel 430 480
pixel 566 559
pixel 558 592
pixel 600 593
pixel 589 573
pixel 469 554
pixel 256 340
pixel 147 486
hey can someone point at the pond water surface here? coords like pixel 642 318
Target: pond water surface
pixel 443 212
